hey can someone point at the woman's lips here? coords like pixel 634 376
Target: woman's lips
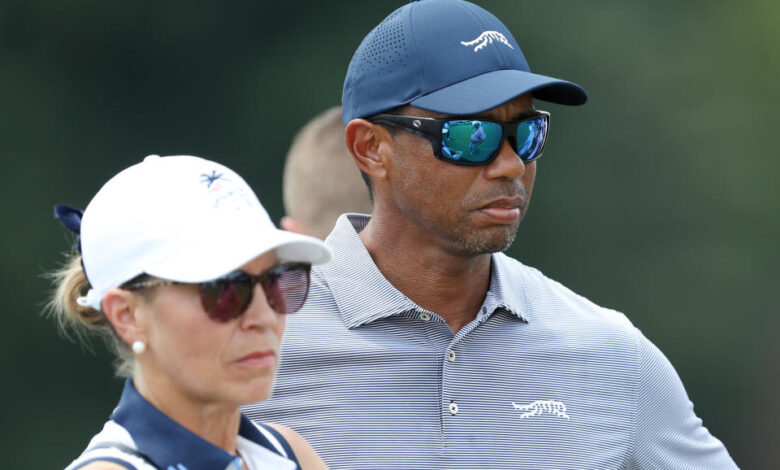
pixel 260 359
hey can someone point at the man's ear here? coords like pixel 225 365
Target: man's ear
pixel 369 144
pixel 120 308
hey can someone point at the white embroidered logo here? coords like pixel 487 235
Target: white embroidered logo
pixel 540 407
pixel 486 38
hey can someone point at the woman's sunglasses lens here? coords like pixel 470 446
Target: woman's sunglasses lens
pixel 470 141
pixel 288 289
pixel 285 287
pixel 226 299
pixel 530 138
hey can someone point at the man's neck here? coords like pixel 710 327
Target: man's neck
pixel 450 285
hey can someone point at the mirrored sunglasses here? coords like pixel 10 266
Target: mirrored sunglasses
pixel 476 141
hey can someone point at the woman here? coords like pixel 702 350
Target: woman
pixel 184 273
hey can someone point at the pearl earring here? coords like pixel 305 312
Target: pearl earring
pixel 139 347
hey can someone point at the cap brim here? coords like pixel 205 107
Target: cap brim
pixel 301 248
pixel 232 254
pixel 492 89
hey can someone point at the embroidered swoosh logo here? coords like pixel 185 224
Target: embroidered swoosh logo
pixel 541 407
pixel 487 37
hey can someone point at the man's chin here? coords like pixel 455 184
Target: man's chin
pixel 492 240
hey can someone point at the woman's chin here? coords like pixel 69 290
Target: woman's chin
pixel 253 392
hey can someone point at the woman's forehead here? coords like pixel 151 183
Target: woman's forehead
pixel 261 263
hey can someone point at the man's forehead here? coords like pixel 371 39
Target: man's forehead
pixel 512 109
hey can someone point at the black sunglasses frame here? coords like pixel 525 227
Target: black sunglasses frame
pixel 265 279
pixel 431 129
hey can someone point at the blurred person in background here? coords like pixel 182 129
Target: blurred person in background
pixel 183 273
pixel 320 178
pixel 421 344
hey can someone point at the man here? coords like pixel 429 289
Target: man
pixel 422 345
pixel 320 178
pixel 476 137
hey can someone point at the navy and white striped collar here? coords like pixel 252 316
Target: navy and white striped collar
pixel 169 444
pixel 352 266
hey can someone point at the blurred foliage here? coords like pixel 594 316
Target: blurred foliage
pixel 658 198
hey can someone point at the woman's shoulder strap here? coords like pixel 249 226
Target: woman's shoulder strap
pixel 278 441
pixel 113 444
pixel 124 449
pixel 114 452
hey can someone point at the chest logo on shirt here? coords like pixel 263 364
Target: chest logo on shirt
pixel 542 407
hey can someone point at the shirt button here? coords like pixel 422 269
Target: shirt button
pixel 451 355
pixel 453 408
pixel 425 316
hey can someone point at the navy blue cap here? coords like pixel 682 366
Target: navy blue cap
pixel 448 56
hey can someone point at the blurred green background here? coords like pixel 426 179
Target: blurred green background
pixel 658 198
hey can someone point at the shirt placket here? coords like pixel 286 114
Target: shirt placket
pixel 455 369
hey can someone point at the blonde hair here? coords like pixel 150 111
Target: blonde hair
pixel 321 181
pixel 70 283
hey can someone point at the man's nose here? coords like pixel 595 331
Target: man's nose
pixel 507 163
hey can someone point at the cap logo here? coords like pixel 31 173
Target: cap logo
pixel 487 37
pixel 224 191
pixel 210 179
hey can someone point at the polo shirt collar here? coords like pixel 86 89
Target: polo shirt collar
pixel 352 266
pixel 507 290
pixel 168 443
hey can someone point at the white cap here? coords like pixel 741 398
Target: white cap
pixel 180 218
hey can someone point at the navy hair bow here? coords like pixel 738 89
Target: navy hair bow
pixel 70 217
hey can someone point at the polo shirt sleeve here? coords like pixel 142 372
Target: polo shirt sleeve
pixel 668 433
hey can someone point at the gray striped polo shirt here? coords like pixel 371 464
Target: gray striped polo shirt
pixel 542 378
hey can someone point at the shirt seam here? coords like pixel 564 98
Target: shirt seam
pixel 637 379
